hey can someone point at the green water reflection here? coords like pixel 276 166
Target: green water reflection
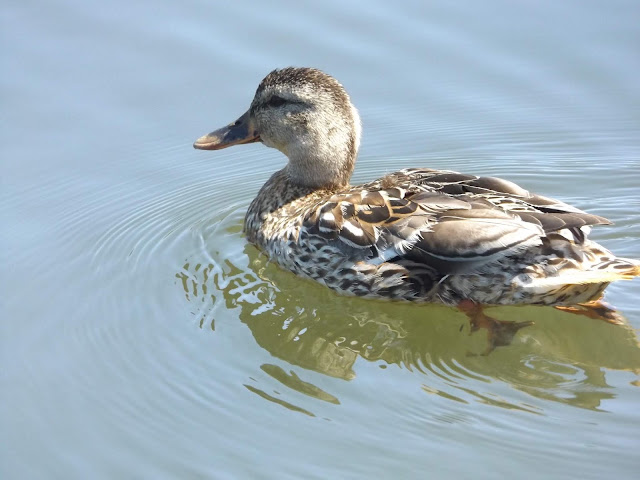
pixel 562 357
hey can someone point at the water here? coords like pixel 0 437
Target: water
pixel 143 338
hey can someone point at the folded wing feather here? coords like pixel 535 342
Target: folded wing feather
pixel 453 222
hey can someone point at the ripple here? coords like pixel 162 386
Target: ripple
pixel 309 326
pixel 124 338
pixel 145 338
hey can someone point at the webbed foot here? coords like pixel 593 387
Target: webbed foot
pixel 500 333
pixel 596 309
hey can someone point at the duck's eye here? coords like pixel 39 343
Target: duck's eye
pixel 276 101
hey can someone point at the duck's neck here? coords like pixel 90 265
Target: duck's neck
pixel 311 172
pixel 322 157
pixel 326 170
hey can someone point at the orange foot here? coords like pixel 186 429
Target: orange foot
pixel 596 309
pixel 500 333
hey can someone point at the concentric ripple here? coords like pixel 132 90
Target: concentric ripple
pixel 174 270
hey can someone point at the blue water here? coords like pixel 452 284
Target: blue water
pixel 143 338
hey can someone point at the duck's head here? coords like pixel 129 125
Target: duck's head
pixel 308 116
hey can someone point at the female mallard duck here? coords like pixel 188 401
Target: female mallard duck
pixel 417 234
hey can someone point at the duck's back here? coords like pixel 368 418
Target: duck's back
pixel 437 236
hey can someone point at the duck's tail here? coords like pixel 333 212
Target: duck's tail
pixel 571 285
pixel 606 272
pixel 582 277
pixel 616 269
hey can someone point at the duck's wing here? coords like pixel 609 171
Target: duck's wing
pixel 551 214
pixel 453 224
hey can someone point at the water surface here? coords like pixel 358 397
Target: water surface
pixel 142 337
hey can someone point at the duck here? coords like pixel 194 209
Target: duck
pixel 418 234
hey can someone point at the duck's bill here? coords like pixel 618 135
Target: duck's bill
pixel 237 133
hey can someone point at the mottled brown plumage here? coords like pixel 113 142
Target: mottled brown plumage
pixel 417 234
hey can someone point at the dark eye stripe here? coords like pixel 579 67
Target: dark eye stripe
pixel 276 101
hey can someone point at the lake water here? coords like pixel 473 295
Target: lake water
pixel 143 338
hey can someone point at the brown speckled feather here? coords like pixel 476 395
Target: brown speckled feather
pixel 403 236
pixel 419 217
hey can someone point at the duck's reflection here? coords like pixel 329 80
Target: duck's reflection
pixel 563 358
